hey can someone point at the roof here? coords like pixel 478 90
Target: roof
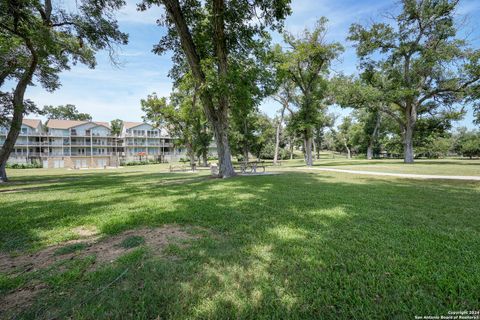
pixel 129 125
pixel 67 124
pixel 63 124
pixel 105 124
pixel 32 123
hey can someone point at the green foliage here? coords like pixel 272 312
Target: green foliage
pixel 70 248
pixel 307 63
pixel 66 112
pixel 467 143
pixel 182 116
pixel 251 133
pixel 140 163
pixel 34 165
pixel 418 64
pixel 116 127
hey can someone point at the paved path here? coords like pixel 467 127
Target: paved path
pixel 401 175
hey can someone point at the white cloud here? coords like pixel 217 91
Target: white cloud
pixel 130 14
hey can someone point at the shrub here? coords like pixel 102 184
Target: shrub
pixel 24 165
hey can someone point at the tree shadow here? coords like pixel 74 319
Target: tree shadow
pixel 296 245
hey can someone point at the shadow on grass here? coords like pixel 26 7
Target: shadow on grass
pixel 301 245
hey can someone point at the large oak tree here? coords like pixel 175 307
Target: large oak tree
pixel 418 63
pixel 42 38
pixel 217 40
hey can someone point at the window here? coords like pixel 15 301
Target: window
pixel 24 130
pixel 73 132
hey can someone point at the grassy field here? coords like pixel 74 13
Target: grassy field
pixel 294 245
pixel 453 167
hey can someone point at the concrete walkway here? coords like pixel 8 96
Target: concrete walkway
pixel 400 175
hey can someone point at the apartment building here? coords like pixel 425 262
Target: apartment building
pixel 89 144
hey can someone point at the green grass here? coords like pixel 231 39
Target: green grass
pixel 132 242
pixel 70 248
pixel 296 245
pixel 431 167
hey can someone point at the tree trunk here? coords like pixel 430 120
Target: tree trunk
pixel 18 110
pixel 319 147
pixel 373 137
pixel 349 155
pixel 245 154
pixel 218 117
pixel 408 145
pixel 277 135
pixel 224 156
pixel 192 158
pixel 308 151
pixel 205 158
pixel 292 142
pixel 370 151
pixel 314 144
pixel 411 118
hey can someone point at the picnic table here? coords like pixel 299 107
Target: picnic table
pixel 252 167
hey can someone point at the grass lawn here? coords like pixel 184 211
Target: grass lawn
pixel 450 167
pixel 296 245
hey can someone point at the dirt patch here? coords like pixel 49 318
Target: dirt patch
pixel 106 250
pixel 20 299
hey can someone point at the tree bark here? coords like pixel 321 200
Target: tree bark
pixel 278 132
pixel 411 119
pixel 314 145
pixel 308 151
pixel 205 158
pixel 373 137
pixel 292 142
pixel 245 153
pixel 18 110
pixel 218 117
pixel 370 151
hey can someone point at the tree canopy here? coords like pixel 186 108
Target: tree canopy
pixel 65 112
pixel 418 63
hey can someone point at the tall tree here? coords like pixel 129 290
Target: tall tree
pixel 418 62
pixel 65 112
pixel 50 38
pixel 307 62
pixel 284 96
pixel 218 41
pixel 182 116
pixel 345 135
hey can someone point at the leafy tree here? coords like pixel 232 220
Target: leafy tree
pixel 326 121
pixel 66 112
pixel 417 63
pixel 467 143
pixel 183 118
pixel 221 46
pixel 116 127
pixel 49 38
pixel 307 63
pixel 284 95
pixel 347 131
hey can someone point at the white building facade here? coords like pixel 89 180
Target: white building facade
pixel 88 144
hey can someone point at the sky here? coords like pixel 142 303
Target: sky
pixel 109 92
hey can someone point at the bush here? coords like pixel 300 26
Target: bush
pixel 140 163
pixel 34 165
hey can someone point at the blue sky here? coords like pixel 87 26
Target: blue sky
pixel 110 92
